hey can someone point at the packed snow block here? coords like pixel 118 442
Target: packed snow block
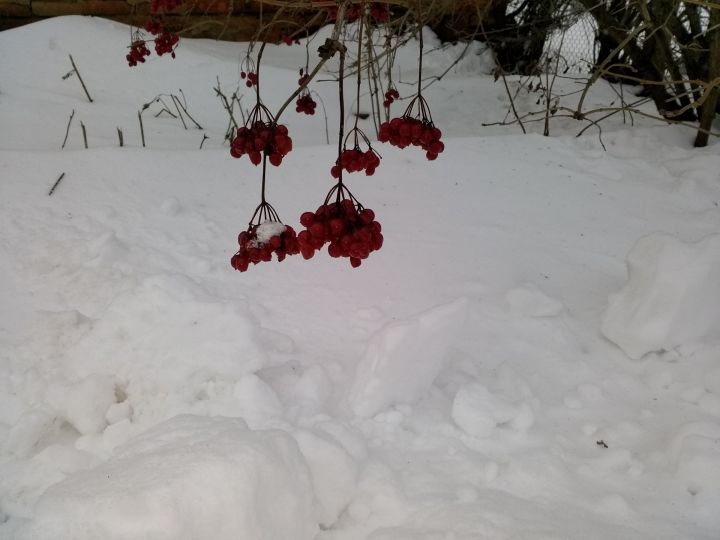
pixel 334 473
pixel 477 411
pixel 671 298
pixel 190 477
pixel 167 334
pixel 403 359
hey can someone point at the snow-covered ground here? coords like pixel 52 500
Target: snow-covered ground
pixel 458 385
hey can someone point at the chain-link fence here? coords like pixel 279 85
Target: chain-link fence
pixel 576 44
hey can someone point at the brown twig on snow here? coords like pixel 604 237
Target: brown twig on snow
pixel 67 129
pixel 77 72
pixel 57 182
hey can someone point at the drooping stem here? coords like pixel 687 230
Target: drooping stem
pixel 341 81
pixel 359 71
pixel 420 56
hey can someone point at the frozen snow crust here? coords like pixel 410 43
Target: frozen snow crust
pixel 458 386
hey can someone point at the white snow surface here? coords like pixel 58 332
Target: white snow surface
pixel 458 385
pixel 671 299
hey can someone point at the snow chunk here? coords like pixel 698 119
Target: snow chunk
pixel 189 477
pixel 478 412
pixel 672 296
pixel 334 473
pixel 403 359
pixel 266 230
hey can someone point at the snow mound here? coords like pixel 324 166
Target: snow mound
pixel 672 296
pixel 189 477
pixel 403 359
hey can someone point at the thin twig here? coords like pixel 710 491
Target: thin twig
pixel 205 138
pixel 57 182
pixel 82 126
pixel 120 137
pixel 77 72
pixel 67 129
pixel 142 129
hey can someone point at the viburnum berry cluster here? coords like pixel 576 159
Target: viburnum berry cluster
pixel 266 235
pixel 390 96
pixel 248 72
pixel 305 104
pixel 349 229
pixel 355 159
pixel 138 52
pixel 414 128
pixel 262 137
pixel 166 42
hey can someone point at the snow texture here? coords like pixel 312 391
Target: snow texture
pixel 404 358
pixel 456 386
pixel 189 477
pixel 671 298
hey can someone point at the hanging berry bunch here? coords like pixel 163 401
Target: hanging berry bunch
pixel 165 41
pixel 355 159
pixel 138 52
pixel 415 127
pixel 261 135
pixel 305 103
pixel 248 72
pixel 390 96
pixel 349 229
pixel 266 235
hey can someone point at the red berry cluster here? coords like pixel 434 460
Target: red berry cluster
pixel 390 96
pixel 355 160
pixel 158 6
pixel 350 231
pixel 305 104
pixel 249 77
pixel 138 52
pixel 262 137
pixel 259 242
pixel 303 77
pixel 405 131
pixel 165 43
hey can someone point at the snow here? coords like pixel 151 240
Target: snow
pixel 671 298
pixel 459 384
pixel 188 477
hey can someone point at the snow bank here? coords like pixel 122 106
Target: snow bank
pixel 403 359
pixel 671 298
pixel 189 477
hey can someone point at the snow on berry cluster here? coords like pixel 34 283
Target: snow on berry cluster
pixel 349 230
pixel 138 52
pixel 390 96
pixel 259 137
pixel 260 241
pixel 305 104
pixel 355 160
